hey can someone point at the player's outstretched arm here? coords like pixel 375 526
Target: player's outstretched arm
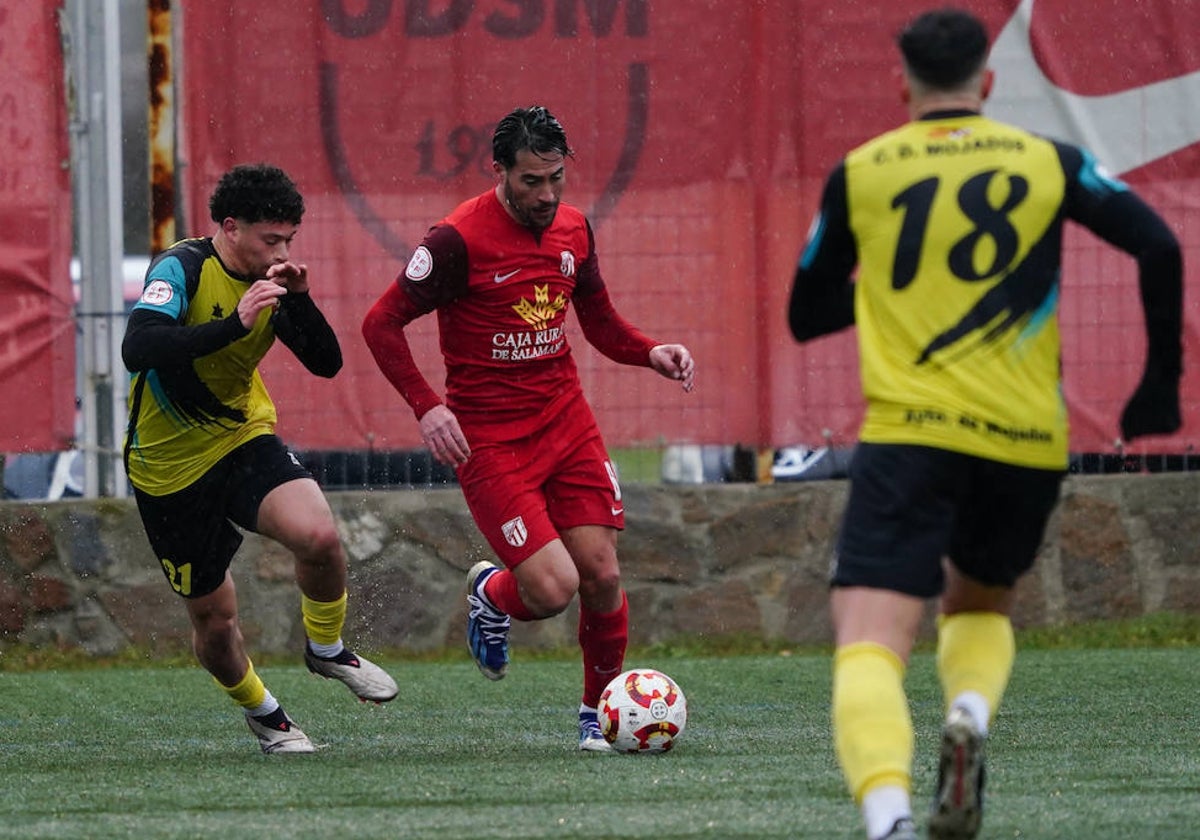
pixel 674 362
pixel 1116 214
pixel 1126 221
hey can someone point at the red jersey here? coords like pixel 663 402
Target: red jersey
pixel 501 292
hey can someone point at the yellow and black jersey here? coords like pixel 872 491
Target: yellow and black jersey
pixel 954 223
pixel 196 393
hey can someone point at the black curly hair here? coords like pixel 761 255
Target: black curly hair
pixel 256 192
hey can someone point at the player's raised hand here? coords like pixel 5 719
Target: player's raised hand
pixel 674 362
pixel 260 295
pixel 290 275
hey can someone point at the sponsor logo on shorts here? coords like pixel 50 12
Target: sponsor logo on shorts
pixel 515 532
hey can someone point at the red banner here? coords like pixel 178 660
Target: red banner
pixel 703 133
pixel 37 328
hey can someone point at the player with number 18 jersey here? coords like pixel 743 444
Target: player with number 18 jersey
pixel 955 222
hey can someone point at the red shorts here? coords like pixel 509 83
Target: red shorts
pixel 523 493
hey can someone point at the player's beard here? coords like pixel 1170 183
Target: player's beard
pixel 526 216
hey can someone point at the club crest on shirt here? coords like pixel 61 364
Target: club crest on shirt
pixel 515 532
pixel 420 265
pixel 567 264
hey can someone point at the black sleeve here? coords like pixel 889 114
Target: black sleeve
pixel 303 329
pixel 822 299
pixel 1117 215
pixel 1120 217
pixel 1129 223
pixel 155 340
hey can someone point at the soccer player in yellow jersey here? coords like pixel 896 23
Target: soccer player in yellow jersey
pixel 954 223
pixel 201 450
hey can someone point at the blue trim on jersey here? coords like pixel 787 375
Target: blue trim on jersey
pixel 170 270
pixel 164 402
pixel 815 235
pixel 1040 316
pixel 1095 180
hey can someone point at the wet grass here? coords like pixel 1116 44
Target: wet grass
pixel 1095 742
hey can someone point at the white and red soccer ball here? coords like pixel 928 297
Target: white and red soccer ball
pixel 642 711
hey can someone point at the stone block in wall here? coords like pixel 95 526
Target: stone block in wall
pixel 1183 595
pixel 148 615
pixel 437 519
pixel 80 534
pixel 806 602
pixel 12 608
pixel 772 526
pixel 28 537
pixel 1096 558
pixel 406 596
pixel 95 631
pixel 449 534
pixel 1030 605
pixel 651 607
pixel 723 608
pixel 48 594
pixel 1176 538
pixel 651 550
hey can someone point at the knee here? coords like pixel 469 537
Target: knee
pixel 602 586
pixel 320 544
pixel 548 598
pixel 599 572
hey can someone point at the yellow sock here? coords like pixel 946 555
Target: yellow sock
pixel 323 620
pixel 872 728
pixel 975 654
pixel 249 693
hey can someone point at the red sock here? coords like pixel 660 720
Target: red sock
pixel 603 637
pixel 501 590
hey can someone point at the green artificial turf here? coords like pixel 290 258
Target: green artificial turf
pixel 1096 743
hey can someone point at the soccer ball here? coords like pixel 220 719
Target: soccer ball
pixel 642 711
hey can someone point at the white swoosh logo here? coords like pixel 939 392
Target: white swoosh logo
pixel 500 278
pixel 1123 130
pixel 617 511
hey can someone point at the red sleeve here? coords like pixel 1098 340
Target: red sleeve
pixel 383 329
pixel 602 326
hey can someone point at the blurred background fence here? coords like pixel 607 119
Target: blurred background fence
pixel 703 133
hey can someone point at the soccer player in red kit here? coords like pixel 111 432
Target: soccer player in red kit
pixel 501 271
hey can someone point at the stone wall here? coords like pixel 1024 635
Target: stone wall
pixel 699 561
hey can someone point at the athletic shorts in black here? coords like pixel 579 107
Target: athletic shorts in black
pixel 910 506
pixel 191 531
